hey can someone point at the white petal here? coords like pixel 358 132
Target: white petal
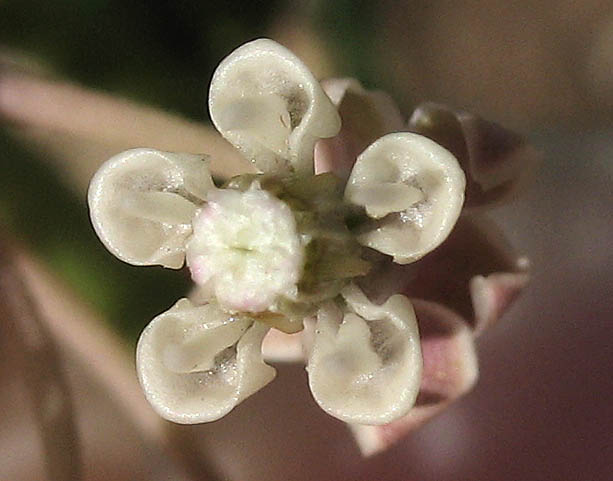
pixel 415 222
pixel 142 202
pixel 365 365
pixel 196 363
pixel 267 103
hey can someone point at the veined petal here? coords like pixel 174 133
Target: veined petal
pixel 365 364
pixel 365 116
pixel 450 370
pixel 196 363
pixel 267 103
pixel 429 206
pixel 142 202
pixel 496 160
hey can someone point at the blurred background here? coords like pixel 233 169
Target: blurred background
pixel 542 407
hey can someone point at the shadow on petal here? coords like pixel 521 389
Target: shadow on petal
pixel 266 102
pixel 365 366
pixel 142 202
pixel 196 363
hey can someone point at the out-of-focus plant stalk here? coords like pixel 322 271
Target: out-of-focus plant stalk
pixel 41 369
pixel 82 128
pixel 52 328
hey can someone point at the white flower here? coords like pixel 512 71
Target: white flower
pixel 273 249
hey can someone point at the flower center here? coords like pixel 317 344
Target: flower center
pixel 245 249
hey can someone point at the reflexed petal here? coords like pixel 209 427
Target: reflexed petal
pixel 365 364
pixel 365 116
pixel 431 203
pixel 475 272
pixel 374 439
pixel 496 161
pixel 450 360
pixel 492 295
pixel 196 363
pixel 265 101
pixel 142 202
pixel 450 370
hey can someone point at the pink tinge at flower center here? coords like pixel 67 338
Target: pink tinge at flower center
pixel 245 250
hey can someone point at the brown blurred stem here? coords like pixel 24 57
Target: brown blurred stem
pixel 41 313
pixel 41 368
pixel 82 128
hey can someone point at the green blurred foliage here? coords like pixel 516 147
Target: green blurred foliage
pixel 352 27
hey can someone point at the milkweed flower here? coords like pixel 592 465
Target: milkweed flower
pixel 316 250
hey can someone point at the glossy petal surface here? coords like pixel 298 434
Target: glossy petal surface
pixel 195 363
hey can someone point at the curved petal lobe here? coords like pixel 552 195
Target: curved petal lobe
pixel 142 202
pixel 267 103
pixel 196 363
pixel 413 189
pixel 365 364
